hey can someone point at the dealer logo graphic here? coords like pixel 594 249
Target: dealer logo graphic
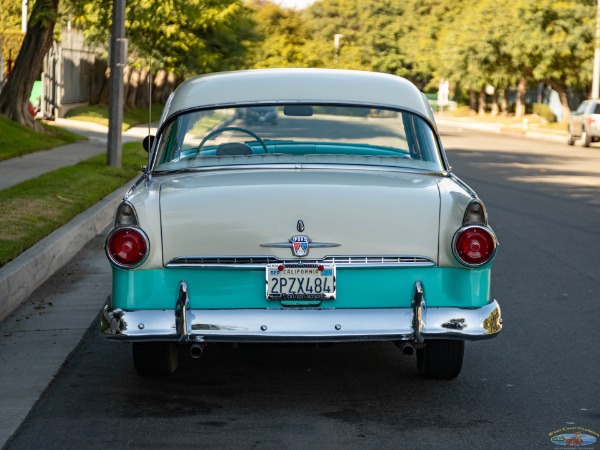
pixel 574 437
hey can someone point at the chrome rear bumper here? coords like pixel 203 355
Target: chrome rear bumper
pixel 414 324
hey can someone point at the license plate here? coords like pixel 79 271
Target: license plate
pixel 300 281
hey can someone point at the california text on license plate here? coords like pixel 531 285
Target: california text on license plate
pixel 300 281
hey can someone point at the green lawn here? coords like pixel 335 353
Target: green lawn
pixel 99 114
pixel 17 140
pixel 33 209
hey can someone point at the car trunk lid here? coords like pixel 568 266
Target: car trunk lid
pixel 244 212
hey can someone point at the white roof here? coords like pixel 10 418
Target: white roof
pixel 297 85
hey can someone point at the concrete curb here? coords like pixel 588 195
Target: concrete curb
pixel 23 275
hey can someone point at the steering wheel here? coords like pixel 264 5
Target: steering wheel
pixel 214 133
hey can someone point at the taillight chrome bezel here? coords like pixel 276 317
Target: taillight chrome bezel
pixel 126 215
pixel 111 257
pixel 486 230
pixel 475 214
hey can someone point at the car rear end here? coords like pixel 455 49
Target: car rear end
pixel 343 225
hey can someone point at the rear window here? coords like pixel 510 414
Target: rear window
pixel 297 133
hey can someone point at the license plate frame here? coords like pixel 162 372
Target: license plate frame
pixel 300 281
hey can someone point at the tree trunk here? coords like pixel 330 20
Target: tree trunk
pixel 142 99
pixel 561 88
pixel 132 91
pixel 127 72
pixel 504 102
pixel 481 102
pixel 495 107
pixel 521 91
pixel 14 98
pixel 472 99
pixel 160 80
pixel 103 95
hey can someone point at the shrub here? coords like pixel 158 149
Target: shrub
pixel 544 111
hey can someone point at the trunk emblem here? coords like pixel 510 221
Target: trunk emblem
pixel 300 245
pixel 300 226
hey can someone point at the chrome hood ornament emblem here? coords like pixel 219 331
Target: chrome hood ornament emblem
pixel 300 226
pixel 300 245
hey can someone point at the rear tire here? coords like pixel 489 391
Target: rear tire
pixel 586 139
pixel 441 358
pixel 570 138
pixel 155 358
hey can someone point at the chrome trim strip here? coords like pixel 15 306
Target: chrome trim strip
pixel 305 166
pixel 302 325
pixel 290 245
pixel 259 262
pixel 278 245
pixel 118 219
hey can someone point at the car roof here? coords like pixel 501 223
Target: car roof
pixel 296 85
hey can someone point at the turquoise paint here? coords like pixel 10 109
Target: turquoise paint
pixel 356 288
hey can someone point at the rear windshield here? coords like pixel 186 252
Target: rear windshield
pixel 296 134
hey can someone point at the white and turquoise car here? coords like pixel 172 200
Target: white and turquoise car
pixel 342 223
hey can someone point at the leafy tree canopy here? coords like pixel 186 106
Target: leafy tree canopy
pixel 183 36
pixel 283 38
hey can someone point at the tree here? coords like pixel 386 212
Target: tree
pixel 559 45
pixel 369 34
pixel 283 37
pixel 14 98
pixel 180 38
pixel 187 37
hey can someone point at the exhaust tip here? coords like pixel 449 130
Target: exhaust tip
pixel 405 348
pixel 196 351
pixel 408 350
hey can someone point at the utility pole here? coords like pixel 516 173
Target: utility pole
pixel 596 76
pixel 336 47
pixel 118 59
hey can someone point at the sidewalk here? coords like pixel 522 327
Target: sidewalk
pixel 525 130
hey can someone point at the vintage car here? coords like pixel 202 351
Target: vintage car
pixel 342 224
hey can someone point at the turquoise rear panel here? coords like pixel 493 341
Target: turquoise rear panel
pixel 245 288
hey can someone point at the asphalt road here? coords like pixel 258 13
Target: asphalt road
pixel 539 376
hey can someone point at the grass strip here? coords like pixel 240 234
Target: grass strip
pixel 17 140
pixel 33 209
pixel 99 114
pixel 207 122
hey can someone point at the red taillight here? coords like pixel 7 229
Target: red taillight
pixel 127 247
pixel 474 245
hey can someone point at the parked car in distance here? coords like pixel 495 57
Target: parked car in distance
pixel 261 114
pixel 584 123
pixel 344 223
